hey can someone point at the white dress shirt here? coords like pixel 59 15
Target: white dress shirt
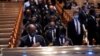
pixel 26 4
pixel 32 39
pixel 53 34
pixel 36 1
pixel 77 26
pixel 62 41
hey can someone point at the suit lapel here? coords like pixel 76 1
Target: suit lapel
pixel 29 41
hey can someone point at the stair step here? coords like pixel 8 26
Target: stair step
pixel 5 8
pixel 4 41
pixel 7 26
pixel 9 6
pixel 5 35
pixel 6 30
pixel 9 9
pixel 7 22
pixel 8 14
pixel 7 18
pixel 4 46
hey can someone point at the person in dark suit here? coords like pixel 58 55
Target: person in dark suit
pixel 50 33
pixel 28 3
pixel 91 27
pixel 27 16
pixel 33 20
pixel 32 39
pixel 48 19
pixel 67 4
pixel 98 32
pixel 75 31
pixel 52 10
pixel 82 15
pixel 62 39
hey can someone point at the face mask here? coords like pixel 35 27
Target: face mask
pixel 52 12
pixel 32 34
pixel 76 17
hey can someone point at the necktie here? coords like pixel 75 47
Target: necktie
pixel 33 40
pixel 78 26
pixel 53 35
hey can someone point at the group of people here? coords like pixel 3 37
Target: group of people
pixel 43 26
pixel 84 24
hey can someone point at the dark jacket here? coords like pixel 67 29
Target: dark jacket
pixel 75 37
pixel 58 41
pixel 25 41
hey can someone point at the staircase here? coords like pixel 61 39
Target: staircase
pixel 66 14
pixel 8 16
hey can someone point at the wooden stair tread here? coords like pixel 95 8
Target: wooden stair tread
pixel 5 35
pixel 6 30
pixel 8 15
pixel 7 18
pixel 4 41
pixel 4 8
pixel 7 22
pixel 3 46
pixel 6 25
pixel 12 15
pixel 9 8
pixel 8 11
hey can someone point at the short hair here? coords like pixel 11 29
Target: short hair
pixel 29 26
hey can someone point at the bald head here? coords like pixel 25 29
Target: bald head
pixel 52 7
pixel 52 23
pixel 31 28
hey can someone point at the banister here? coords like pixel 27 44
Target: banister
pixel 15 33
pixel 65 14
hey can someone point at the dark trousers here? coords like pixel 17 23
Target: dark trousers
pixel 77 40
pixel 91 36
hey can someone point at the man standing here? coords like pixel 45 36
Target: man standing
pixel 91 27
pixel 75 31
